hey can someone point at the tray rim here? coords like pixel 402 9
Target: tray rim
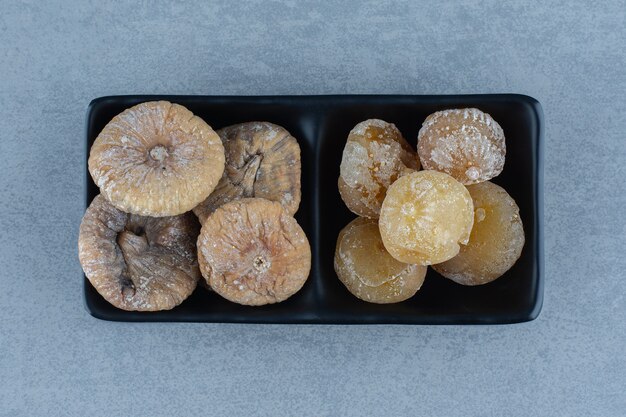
pixel 521 316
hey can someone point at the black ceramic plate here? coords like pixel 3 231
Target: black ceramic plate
pixel 321 125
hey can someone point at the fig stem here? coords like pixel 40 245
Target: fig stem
pixel 159 153
pixel 260 264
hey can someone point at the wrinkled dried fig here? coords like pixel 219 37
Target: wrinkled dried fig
pixel 138 263
pixel 156 159
pixel 252 252
pixel 262 160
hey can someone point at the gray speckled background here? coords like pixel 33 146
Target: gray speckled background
pixel 57 360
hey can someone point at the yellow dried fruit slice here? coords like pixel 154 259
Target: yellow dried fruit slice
pixel 467 144
pixel 375 155
pixel 424 218
pixel 368 271
pixel 496 241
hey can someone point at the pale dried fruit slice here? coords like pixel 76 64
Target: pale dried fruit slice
pixel 465 143
pixel 262 160
pixel 425 216
pixel 138 263
pixel 156 159
pixel 252 252
pixel 354 196
pixel 375 155
pixel 496 241
pixel 368 271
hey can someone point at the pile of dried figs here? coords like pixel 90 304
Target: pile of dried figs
pixel 448 215
pixel 156 164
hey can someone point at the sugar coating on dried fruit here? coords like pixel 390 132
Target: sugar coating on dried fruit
pixel 156 159
pixel 252 252
pixel 425 216
pixel 262 160
pixel 496 241
pixel 465 143
pixel 368 271
pixel 138 263
pixel 375 155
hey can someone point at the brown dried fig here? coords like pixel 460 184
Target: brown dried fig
pixel 262 160
pixel 156 159
pixel 138 263
pixel 252 252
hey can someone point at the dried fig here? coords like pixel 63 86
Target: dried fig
pixel 156 159
pixel 138 263
pixel 262 160
pixel 252 252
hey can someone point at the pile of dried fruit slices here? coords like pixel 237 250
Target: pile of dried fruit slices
pixel 448 215
pixel 140 244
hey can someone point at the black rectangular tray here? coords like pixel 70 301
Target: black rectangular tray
pixel 321 125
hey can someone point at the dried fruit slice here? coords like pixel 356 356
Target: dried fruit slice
pixel 465 143
pixel 252 252
pixel 156 159
pixel 496 241
pixel 368 271
pixel 425 216
pixel 262 160
pixel 138 263
pixel 375 156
